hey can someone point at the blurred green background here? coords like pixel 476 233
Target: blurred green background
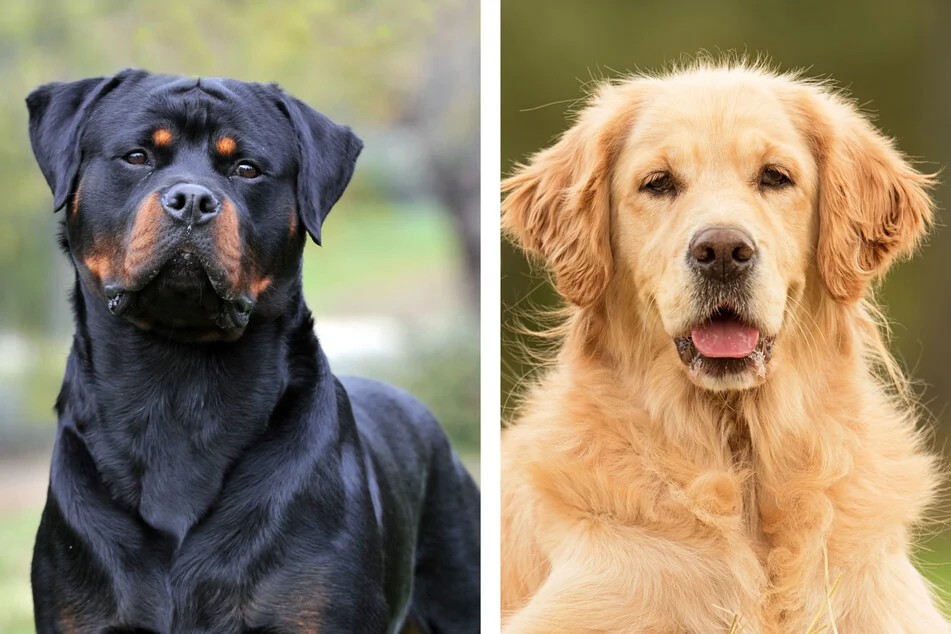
pixel 394 288
pixel 894 57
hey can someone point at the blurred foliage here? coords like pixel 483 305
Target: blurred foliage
pixel 397 248
pixel 17 531
pixel 895 58
pixel 455 361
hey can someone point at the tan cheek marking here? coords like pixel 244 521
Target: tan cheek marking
pixel 293 221
pixel 228 239
pixel 98 265
pixel 259 285
pixel 161 137
pixel 226 146
pixel 145 230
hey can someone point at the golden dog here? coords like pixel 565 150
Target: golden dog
pixel 723 442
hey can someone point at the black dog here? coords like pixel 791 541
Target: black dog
pixel 210 474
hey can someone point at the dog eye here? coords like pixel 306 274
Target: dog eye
pixel 773 177
pixel 247 170
pixel 660 184
pixel 136 157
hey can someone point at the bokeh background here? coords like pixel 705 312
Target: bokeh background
pixel 895 58
pixel 394 288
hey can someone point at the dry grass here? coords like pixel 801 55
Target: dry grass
pixel 737 626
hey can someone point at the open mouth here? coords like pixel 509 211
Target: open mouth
pixel 725 343
pixel 180 299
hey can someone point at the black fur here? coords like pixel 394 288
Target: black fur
pixel 210 473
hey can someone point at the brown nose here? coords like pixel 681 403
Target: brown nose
pixel 721 254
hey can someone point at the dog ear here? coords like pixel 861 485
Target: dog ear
pixel 328 153
pixel 874 206
pixel 558 205
pixel 58 112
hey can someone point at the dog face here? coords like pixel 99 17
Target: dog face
pixel 187 199
pixel 709 203
pixel 715 221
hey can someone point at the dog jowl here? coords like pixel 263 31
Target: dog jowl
pixel 210 473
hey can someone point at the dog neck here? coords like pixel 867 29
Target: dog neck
pixel 163 420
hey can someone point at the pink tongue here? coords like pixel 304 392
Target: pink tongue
pixel 726 339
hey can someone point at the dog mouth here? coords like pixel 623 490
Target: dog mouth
pixel 725 343
pixel 180 299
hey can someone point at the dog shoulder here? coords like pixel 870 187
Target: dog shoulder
pixel 379 399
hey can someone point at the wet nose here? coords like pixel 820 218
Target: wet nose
pixel 191 204
pixel 722 253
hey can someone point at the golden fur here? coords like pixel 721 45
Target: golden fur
pixel 639 497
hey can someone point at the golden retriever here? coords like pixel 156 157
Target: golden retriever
pixel 723 442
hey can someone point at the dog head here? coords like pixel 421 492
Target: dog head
pixel 702 207
pixel 186 198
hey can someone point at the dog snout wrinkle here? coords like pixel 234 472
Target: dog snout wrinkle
pixel 722 253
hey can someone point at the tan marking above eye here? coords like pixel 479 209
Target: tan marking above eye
pixel 162 137
pixel 226 146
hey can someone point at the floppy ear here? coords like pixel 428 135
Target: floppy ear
pixel 874 206
pixel 328 153
pixel 58 112
pixel 558 206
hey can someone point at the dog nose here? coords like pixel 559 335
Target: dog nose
pixel 189 203
pixel 722 253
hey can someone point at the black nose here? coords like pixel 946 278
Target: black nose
pixel 722 253
pixel 190 203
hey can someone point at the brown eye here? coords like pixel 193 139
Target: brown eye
pixel 247 170
pixel 773 177
pixel 660 184
pixel 136 157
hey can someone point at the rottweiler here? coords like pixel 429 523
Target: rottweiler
pixel 210 473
